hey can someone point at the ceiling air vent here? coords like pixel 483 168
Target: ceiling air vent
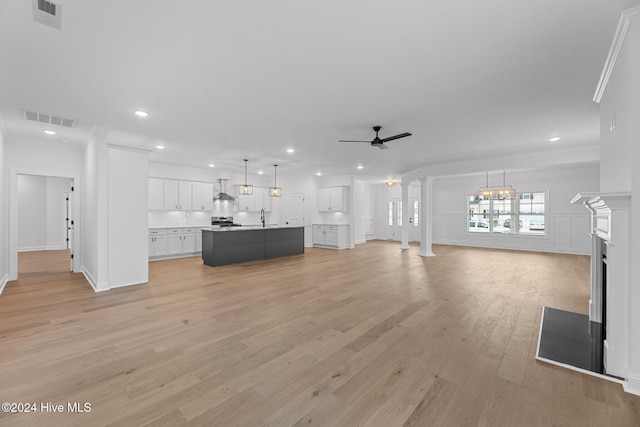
pixel 47 6
pixel 48 119
pixel 47 13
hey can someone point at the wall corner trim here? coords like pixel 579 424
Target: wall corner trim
pixel 3 282
pixel 626 19
pixel 97 287
pixel 632 384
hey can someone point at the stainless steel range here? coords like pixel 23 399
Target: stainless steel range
pixel 224 221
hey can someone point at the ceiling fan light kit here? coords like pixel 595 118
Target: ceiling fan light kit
pixel 377 141
pixel 390 183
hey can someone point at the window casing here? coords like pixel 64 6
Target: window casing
pixel 525 214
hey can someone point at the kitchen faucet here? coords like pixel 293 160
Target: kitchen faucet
pixel 262 218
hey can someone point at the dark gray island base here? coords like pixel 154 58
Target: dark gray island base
pixel 229 246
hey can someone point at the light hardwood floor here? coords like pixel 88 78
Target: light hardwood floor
pixel 374 336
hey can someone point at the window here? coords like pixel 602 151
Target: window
pixel 390 214
pixel 399 213
pixel 416 213
pixel 531 213
pixel 523 215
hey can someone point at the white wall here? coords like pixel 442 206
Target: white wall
pixel 32 212
pixel 4 212
pixel 127 220
pixel 161 170
pixel 616 109
pixel 364 212
pixel 619 170
pixel 567 225
pixel 94 211
pixel 41 212
pixel 37 157
pixel 634 156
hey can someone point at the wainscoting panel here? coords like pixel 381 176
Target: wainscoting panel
pixel 566 233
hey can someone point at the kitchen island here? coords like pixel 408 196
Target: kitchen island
pixel 230 245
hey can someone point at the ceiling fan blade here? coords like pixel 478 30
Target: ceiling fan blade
pixel 391 138
pixel 349 140
pixel 381 146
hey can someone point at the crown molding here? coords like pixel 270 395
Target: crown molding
pixel 626 19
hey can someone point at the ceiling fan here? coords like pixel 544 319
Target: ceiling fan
pixel 377 142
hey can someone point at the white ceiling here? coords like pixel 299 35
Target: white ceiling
pixel 227 80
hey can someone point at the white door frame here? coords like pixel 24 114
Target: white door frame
pixel 394 231
pixel 13 217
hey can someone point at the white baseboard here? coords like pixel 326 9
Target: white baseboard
pixel 128 284
pixel 360 241
pixel 89 278
pixel 3 282
pixel 41 248
pixel 97 287
pixel 632 384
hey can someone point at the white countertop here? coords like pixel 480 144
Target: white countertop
pixel 250 227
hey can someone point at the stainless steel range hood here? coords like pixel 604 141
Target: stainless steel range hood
pixel 222 196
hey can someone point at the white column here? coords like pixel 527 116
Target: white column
pixel 405 216
pixel 426 215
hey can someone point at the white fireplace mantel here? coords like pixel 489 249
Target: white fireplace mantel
pixel 610 221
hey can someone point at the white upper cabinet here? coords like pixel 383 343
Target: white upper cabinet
pixel 333 199
pixel 156 194
pixel 247 203
pixel 255 202
pixel 177 195
pixel 202 196
pixel 185 195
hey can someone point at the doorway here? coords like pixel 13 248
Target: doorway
pixel 394 219
pixel 294 209
pixel 414 220
pixel 42 219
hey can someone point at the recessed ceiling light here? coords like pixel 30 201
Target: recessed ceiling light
pixel 360 166
pixel 141 113
pixel 290 150
pixel 318 173
pixel 49 132
pixel 160 147
pixel 260 172
pixel 554 139
pixel 211 165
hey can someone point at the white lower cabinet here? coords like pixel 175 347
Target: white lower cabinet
pixel 157 243
pixel 331 235
pixel 198 237
pixel 172 242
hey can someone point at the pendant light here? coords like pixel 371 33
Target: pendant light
pixel 499 192
pixel 275 191
pixel 245 189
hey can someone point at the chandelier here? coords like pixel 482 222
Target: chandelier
pixel 500 192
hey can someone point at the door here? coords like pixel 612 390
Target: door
pixel 69 225
pixel 414 220
pixel 294 209
pixel 394 219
